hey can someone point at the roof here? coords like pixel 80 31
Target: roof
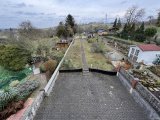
pixel 149 47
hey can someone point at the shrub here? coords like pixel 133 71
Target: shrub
pixel 42 68
pixel 57 55
pixel 14 83
pixel 50 65
pixel 67 64
pixel 6 96
pixel 150 32
pixel 98 47
pixel 92 40
pixel 140 37
pixel 13 57
pixel 26 88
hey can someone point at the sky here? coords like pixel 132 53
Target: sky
pixel 48 13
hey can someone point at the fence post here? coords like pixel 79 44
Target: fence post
pixel 134 82
pixel 118 69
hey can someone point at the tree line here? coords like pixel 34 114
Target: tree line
pixel 133 28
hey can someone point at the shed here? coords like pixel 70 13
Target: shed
pixel 144 52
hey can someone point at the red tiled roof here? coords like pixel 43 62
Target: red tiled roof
pixel 149 47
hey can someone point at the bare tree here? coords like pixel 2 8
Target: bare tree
pixel 150 18
pixel 134 14
pixel 26 30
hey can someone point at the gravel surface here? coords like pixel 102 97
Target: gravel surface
pixel 89 97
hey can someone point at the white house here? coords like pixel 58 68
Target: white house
pixel 145 52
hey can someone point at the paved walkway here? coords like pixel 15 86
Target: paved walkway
pixel 96 97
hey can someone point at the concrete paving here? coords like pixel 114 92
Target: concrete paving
pixel 91 97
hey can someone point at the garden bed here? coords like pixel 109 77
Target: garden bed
pixel 155 70
pixel 148 81
pixel 97 59
pixel 73 58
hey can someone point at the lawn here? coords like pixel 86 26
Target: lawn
pixel 96 60
pixel 128 42
pixel 73 59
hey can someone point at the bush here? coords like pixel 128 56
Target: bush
pixel 98 47
pixel 42 68
pixel 50 65
pixel 57 55
pixel 92 40
pixel 140 37
pixel 13 57
pixel 6 96
pixel 67 64
pixel 14 83
pixel 26 88
pixel 150 32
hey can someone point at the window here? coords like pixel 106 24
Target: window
pixel 137 52
pixel 132 51
pixel 135 58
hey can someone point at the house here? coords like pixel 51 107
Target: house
pixel 144 52
pixel 102 32
pixel 90 34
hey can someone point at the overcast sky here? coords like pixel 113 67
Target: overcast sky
pixel 48 13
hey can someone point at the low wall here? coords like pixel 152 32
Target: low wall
pixel 142 95
pixel 72 70
pixel 102 71
pixel 31 111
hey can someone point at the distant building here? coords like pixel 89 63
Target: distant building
pixel 90 34
pixel 145 53
pixel 102 32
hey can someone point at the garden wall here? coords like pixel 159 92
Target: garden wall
pixel 31 111
pixel 102 71
pixel 142 95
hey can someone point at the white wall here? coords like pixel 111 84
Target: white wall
pixel 147 56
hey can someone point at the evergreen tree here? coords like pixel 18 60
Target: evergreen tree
pixel 119 24
pixel 133 27
pixel 115 23
pixel 70 23
pixel 158 20
pixel 61 30
pixel 140 30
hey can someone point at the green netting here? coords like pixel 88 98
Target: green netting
pixel 9 76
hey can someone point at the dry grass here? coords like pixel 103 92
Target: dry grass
pixel 74 56
pixel 96 60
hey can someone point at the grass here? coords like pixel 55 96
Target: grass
pixel 73 59
pixel 96 60
pixel 130 42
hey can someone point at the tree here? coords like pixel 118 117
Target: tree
pixel 134 14
pixel 70 22
pixel 13 57
pixel 119 24
pixel 158 20
pixel 133 27
pixel 124 33
pixel 150 19
pixel 26 29
pixel 139 33
pixel 61 30
pixel 115 23
pixel 150 32
pixel 140 30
